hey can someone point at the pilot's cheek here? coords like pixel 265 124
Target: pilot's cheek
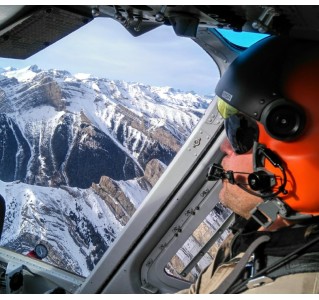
pixel 226 147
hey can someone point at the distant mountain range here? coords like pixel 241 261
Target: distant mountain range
pixel 78 154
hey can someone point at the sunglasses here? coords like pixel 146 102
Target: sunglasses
pixel 241 130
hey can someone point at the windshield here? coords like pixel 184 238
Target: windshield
pixel 88 126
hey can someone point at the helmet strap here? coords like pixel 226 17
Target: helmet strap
pixel 266 213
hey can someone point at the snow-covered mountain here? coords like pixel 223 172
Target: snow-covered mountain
pixel 64 129
pixel 78 154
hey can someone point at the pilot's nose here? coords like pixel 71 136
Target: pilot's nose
pixel 226 147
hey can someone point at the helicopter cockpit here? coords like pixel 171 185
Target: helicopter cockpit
pixel 175 231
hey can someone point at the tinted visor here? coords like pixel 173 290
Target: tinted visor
pixel 241 130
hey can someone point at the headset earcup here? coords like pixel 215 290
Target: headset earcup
pixel 283 120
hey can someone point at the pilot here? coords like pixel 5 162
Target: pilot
pixel 269 98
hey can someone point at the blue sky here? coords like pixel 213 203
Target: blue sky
pixel 105 49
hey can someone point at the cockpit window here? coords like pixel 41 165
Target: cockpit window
pixel 242 39
pixel 80 152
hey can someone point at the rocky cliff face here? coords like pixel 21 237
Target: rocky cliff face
pixel 119 203
pixel 116 200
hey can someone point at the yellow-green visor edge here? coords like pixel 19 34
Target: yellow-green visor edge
pixel 225 109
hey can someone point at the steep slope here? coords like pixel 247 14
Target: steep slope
pixel 75 224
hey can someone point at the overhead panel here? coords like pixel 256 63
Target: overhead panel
pixel 37 30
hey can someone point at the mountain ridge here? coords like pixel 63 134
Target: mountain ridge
pixel 78 151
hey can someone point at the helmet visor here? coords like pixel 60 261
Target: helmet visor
pixel 241 130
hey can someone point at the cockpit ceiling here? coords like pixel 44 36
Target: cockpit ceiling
pixel 25 30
